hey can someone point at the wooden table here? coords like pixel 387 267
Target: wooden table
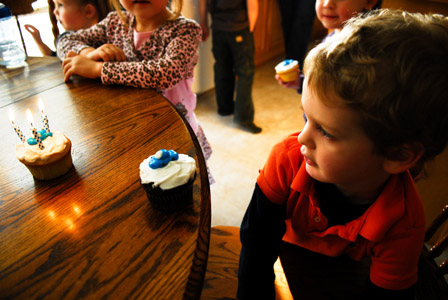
pixel 92 233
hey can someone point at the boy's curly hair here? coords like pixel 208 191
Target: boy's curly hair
pixel 392 68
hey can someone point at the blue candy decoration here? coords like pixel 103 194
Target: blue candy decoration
pixel 43 135
pixel 162 158
pixel 287 62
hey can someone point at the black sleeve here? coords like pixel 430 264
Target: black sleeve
pixel 375 292
pixel 261 233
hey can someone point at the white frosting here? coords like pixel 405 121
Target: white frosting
pixel 53 147
pixel 286 65
pixel 175 173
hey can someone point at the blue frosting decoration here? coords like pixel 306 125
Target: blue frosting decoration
pixel 162 158
pixel 288 61
pixel 43 135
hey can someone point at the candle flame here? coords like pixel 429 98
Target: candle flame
pixel 11 115
pixel 41 105
pixel 29 116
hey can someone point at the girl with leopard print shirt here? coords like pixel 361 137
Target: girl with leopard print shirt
pixel 147 45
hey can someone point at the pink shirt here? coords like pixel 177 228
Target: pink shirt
pixel 181 95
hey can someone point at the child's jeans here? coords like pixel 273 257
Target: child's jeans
pixel 234 58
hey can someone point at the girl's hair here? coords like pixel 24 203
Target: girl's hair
pixel 391 68
pixel 175 7
pixel 102 7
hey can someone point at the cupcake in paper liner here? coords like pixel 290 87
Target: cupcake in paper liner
pixel 287 70
pixel 54 160
pixel 167 178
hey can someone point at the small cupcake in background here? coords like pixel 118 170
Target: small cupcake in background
pixel 287 70
pixel 167 178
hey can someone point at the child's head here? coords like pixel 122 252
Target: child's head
pixel 389 67
pixel 175 7
pixel 79 14
pixel 334 13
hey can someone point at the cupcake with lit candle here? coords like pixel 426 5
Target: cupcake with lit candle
pixel 53 160
pixel 167 178
pixel 47 154
pixel 287 70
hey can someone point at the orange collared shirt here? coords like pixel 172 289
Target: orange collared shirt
pixel 391 231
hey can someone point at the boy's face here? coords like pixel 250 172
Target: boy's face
pixel 334 13
pixel 336 149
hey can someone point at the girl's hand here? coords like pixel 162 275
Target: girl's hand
pixel 107 52
pixel 46 51
pixel 76 64
pixel 34 32
pixel 291 84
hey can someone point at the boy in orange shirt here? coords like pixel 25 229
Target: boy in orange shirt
pixel 337 201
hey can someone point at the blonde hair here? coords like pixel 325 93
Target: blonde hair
pixel 175 7
pixel 391 67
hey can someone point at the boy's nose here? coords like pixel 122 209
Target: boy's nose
pixel 327 3
pixel 305 137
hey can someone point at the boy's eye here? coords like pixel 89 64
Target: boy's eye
pixel 324 133
pixel 305 118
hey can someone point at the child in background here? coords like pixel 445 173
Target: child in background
pixel 333 14
pixel 233 23
pixel 146 45
pixel 337 201
pixel 73 15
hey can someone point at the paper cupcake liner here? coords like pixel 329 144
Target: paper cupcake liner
pixel 170 200
pixel 52 170
pixel 289 75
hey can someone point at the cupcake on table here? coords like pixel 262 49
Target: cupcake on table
pixel 46 154
pixel 167 178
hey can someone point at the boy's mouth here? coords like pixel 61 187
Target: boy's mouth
pixel 330 17
pixel 307 160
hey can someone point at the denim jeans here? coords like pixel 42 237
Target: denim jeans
pixel 234 73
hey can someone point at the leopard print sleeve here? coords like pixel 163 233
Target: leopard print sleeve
pixel 166 58
pixel 94 36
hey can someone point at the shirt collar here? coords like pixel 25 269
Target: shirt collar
pixel 388 208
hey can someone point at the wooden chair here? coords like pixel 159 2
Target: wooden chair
pixel 432 284
pixel 221 277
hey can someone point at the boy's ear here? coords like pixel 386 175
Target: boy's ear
pixel 402 159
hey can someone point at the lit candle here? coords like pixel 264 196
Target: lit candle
pixel 34 130
pixel 16 128
pixel 43 116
